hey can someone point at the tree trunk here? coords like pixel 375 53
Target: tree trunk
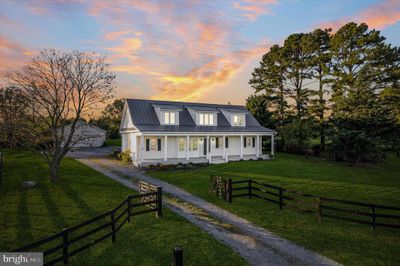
pixel 54 167
pixel 321 115
pixel 322 138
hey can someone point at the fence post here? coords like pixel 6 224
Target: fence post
pixel 280 199
pixel 229 190
pixel 113 225
pixel 178 256
pixel 128 202
pixel 319 209
pixel 373 217
pixel 65 245
pixel 249 188
pixel 159 202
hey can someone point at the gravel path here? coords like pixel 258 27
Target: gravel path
pixel 256 245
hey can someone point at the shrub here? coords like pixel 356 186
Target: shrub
pixel 355 146
pixel 125 156
pixel 316 149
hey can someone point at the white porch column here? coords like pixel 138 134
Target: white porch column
pixel 272 145
pixel 224 148
pixel 258 145
pixel 141 147
pixel 241 146
pixel 187 147
pixel 208 148
pixel 165 147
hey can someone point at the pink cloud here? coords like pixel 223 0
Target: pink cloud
pixel 13 55
pixel 378 16
pixel 253 8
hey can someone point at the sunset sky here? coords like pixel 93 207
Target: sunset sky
pixel 178 50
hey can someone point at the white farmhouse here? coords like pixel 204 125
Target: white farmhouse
pixel 181 132
pixel 86 135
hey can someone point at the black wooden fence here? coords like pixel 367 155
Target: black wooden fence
pixel 61 246
pixel 346 210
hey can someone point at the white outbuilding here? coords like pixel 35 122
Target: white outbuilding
pixel 87 135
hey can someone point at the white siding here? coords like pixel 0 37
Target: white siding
pixel 233 145
pixel 250 150
pixel 214 150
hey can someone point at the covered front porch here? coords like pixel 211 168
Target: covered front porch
pixel 197 148
pixel 214 159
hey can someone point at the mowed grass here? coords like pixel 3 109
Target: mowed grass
pixel 351 244
pixel 113 142
pixel 29 214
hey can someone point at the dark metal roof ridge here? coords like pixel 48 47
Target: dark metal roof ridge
pixel 185 103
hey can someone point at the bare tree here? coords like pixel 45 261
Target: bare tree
pixel 61 88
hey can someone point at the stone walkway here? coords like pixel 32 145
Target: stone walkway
pixel 256 245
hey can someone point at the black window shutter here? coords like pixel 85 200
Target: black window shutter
pixel 244 143
pixel 254 141
pixel 226 142
pixel 217 143
pixel 159 144
pixel 147 144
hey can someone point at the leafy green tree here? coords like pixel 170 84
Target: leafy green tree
pixel 13 108
pixel 269 78
pixel 258 107
pixel 363 66
pixel 317 43
pixel 110 118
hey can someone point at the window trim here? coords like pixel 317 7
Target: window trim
pixel 170 118
pixel 193 143
pixel 153 144
pixel 206 119
pixel 183 144
pixel 242 117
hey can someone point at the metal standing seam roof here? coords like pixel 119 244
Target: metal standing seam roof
pixel 144 117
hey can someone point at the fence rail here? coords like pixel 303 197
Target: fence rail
pixel 115 218
pixel 345 210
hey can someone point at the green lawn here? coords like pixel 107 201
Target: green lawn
pixel 27 215
pixel 351 244
pixel 113 142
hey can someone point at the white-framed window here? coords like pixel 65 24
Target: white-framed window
pixel 169 118
pixel 153 144
pixel 238 120
pixel 181 144
pixel 193 144
pixel 206 119
pixel 249 141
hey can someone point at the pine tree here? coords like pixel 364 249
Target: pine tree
pixel 363 66
pixel 317 43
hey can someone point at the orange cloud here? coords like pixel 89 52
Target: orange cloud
pixel 13 55
pixel 195 83
pixel 127 48
pixel 378 16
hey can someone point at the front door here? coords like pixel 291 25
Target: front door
pixel 181 147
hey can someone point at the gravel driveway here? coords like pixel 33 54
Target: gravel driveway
pixel 256 245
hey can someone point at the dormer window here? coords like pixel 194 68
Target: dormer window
pixel 238 120
pixel 206 119
pixel 169 118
